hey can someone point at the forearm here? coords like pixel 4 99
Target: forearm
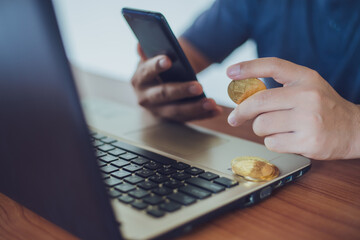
pixel 355 147
pixel 197 60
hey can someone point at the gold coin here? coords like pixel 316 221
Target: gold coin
pixel 254 168
pixel 239 90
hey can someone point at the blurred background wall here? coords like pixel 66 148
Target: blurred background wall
pixel 97 38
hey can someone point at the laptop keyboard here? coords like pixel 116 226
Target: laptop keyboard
pixel 150 182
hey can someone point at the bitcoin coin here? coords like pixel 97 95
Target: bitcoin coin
pixel 239 90
pixel 254 168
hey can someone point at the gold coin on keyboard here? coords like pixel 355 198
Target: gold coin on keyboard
pixel 239 90
pixel 254 168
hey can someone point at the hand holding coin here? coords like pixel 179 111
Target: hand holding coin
pixel 306 116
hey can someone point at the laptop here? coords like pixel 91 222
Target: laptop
pixel 104 170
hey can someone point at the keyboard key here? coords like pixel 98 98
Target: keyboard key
pixel 121 174
pixel 180 166
pixel 195 192
pixel 208 176
pixel 120 163
pixel 132 168
pixel 128 156
pixel 126 199
pixel 147 185
pixel 170 206
pixel 159 178
pixel 118 145
pixel 181 198
pixel 140 160
pixel 173 184
pixel 114 193
pixel 153 165
pixel 97 143
pixel 134 179
pixel 194 171
pixel 108 169
pixel 98 136
pixel 116 152
pixel 166 171
pixel 108 158
pixel 207 185
pixel 156 213
pixel 99 153
pixel 164 160
pixel 125 187
pixel 139 205
pixel 105 175
pixel 153 200
pixel 138 193
pixel 111 182
pixel 181 176
pixel 106 148
pixel 101 163
pixel 162 191
pixel 226 182
pixel 108 140
pixel 145 173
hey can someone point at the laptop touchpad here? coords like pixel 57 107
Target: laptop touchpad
pixel 176 139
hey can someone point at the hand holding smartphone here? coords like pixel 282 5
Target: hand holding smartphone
pixel 156 38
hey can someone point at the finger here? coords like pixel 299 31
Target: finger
pixel 187 111
pixel 141 52
pixel 261 102
pixel 148 70
pixel 274 122
pixel 284 143
pixel 282 71
pixel 169 92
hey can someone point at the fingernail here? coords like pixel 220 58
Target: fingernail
pixel 208 105
pixel 195 89
pixel 232 119
pixel 233 71
pixel 163 63
pixel 269 143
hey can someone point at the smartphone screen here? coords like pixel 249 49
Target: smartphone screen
pixel 155 37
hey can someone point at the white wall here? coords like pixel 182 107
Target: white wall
pixel 98 39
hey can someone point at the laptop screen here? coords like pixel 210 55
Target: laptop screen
pixel 47 163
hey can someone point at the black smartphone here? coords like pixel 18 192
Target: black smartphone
pixel 155 37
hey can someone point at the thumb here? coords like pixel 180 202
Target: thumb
pixel 282 71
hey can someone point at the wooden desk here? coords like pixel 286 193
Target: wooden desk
pixel 324 204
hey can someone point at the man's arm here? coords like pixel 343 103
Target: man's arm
pixel 197 60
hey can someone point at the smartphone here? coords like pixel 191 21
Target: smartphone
pixel 155 38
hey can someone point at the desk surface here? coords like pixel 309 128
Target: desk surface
pixel 324 204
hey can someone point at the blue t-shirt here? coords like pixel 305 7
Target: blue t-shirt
pixel 323 35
